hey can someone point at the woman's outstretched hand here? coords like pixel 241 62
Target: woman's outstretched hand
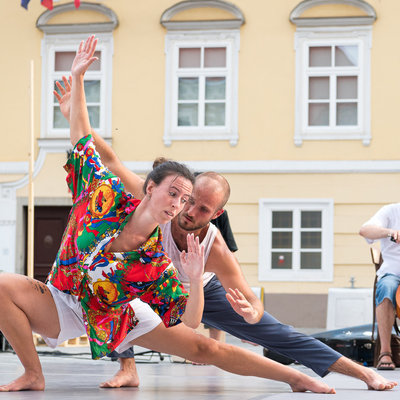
pixel 84 57
pixel 192 261
pixel 64 97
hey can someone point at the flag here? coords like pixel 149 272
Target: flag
pixel 24 3
pixel 77 3
pixel 47 3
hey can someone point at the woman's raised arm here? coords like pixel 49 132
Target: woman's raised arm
pixel 79 118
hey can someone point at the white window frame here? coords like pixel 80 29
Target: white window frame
pixel 265 272
pixel 53 43
pixel 333 36
pixel 175 41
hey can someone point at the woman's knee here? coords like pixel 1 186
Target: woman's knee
pixel 8 282
pixel 205 348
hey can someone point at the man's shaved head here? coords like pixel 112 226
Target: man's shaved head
pixel 213 182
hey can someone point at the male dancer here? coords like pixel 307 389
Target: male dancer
pixel 238 311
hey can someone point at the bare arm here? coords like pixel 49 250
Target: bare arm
pixel 375 232
pixel 193 264
pixel 79 117
pixel 222 262
pixel 132 182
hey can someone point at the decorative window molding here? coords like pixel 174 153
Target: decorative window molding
pixel 234 23
pixel 43 25
pixel 333 83
pixel 369 19
pixel 58 47
pixel 201 99
pixel 296 240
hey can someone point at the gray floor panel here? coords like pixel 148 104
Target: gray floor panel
pixel 73 375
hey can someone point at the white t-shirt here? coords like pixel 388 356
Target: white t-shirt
pixel 388 217
pixel 174 253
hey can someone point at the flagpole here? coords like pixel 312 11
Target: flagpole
pixel 31 215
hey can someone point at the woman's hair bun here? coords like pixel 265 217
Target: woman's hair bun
pixel 159 160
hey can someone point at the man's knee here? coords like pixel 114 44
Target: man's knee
pixel 385 303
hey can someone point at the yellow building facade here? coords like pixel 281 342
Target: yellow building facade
pixel 295 103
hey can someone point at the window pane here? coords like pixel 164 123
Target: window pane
pixel 187 114
pixel 215 114
pixel 346 56
pixel 319 88
pixel 92 91
pixel 63 61
pixel 189 58
pixel 346 87
pixel 282 240
pixel 318 114
pixel 215 88
pixel 310 260
pixel 215 57
pixel 188 89
pixel 311 219
pixel 281 260
pixel 320 57
pixel 59 121
pixel 311 240
pixel 94 116
pixel 282 219
pixel 346 114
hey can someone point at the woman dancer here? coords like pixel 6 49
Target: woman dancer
pixel 81 288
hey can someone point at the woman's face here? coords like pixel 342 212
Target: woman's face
pixel 169 197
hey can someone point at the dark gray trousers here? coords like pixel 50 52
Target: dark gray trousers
pixel 268 332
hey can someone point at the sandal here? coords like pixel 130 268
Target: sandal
pixel 385 365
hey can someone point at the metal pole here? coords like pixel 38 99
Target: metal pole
pixel 31 203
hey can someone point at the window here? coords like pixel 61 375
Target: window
pixel 296 240
pixel 201 95
pixel 58 54
pixel 333 84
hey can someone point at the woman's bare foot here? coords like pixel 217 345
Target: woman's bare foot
pixel 375 381
pixel 304 383
pixel 27 381
pixel 127 375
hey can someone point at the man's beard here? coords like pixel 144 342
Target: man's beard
pixel 181 223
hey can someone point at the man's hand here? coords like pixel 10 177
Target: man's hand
pixel 243 307
pixel 64 97
pixel 192 261
pixel 394 235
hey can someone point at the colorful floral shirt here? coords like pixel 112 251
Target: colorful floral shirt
pixel 106 282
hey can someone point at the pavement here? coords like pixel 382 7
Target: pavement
pixel 70 373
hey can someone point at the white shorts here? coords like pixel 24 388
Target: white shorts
pixel 71 320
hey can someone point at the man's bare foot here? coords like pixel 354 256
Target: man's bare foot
pixel 127 375
pixel 304 383
pixel 375 381
pixel 27 381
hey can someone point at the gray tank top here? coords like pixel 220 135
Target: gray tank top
pixel 174 253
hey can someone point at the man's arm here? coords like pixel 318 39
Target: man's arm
pixel 132 182
pixel 375 232
pixel 223 263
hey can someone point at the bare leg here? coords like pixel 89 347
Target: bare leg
pixel 185 342
pixel 26 305
pixel 373 380
pixel 126 376
pixel 385 320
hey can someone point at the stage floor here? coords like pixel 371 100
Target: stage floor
pixel 71 374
